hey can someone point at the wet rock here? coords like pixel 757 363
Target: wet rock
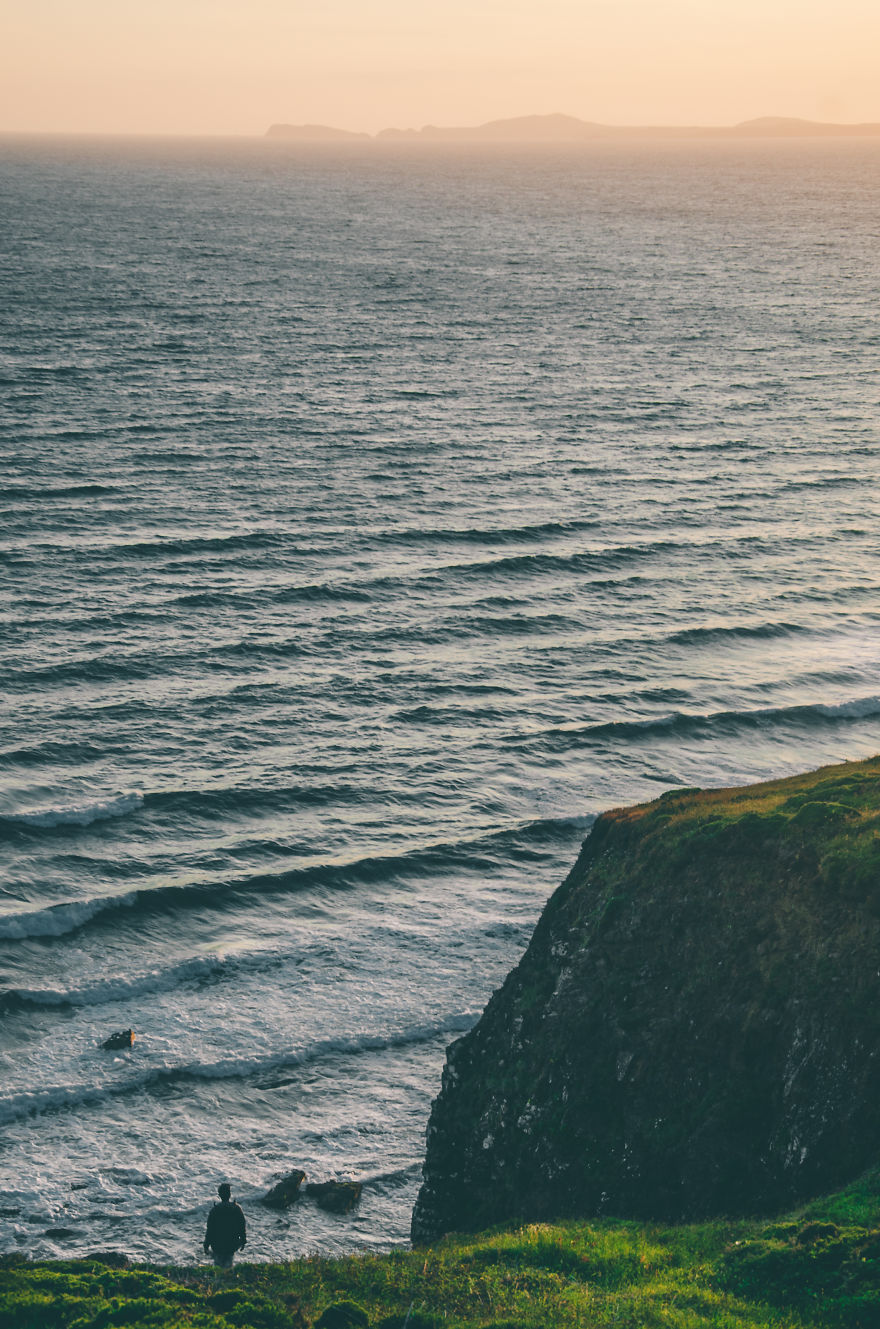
pixel 59 1233
pixel 286 1191
pixel 124 1039
pixel 337 1197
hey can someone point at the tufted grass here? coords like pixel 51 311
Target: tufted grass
pixel 818 1268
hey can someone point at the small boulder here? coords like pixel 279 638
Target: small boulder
pixel 338 1197
pixel 285 1191
pixel 123 1039
pixel 59 1233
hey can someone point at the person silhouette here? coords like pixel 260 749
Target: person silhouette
pixel 226 1232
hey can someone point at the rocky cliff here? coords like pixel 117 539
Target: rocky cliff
pixel 695 1027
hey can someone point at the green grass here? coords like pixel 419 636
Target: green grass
pixel 818 1267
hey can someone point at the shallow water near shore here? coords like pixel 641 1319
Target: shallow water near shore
pixel 370 521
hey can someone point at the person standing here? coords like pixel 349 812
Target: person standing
pixel 226 1232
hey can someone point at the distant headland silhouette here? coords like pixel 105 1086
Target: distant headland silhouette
pixel 569 129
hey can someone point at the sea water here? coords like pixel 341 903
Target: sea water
pixel 371 519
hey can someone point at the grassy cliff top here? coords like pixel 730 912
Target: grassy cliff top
pixel 816 1267
pixel 851 790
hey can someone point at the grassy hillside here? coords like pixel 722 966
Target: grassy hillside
pixel 817 1267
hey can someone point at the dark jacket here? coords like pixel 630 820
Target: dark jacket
pixel 226 1230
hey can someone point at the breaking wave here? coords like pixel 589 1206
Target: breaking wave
pixel 75 814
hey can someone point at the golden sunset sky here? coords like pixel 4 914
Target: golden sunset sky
pixel 229 67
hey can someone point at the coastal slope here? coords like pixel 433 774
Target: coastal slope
pixel 694 1029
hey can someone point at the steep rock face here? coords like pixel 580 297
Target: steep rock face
pixel 695 1026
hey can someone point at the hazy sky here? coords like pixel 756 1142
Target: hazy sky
pixel 226 66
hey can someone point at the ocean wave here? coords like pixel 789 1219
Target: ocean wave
pixel 713 725
pixel 232 543
pixel 858 708
pixel 584 560
pixel 622 555
pixel 58 752
pixel 735 631
pixel 106 991
pixel 525 842
pixel 488 535
pixel 14 1107
pixel 89 670
pixel 26 491
pixel 58 919
pixel 75 814
pixel 137 665
pixel 393 1178
pixel 306 594
pixel 159 546
pixel 234 800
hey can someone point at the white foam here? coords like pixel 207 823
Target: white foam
pixel 859 708
pixel 79 814
pixel 58 919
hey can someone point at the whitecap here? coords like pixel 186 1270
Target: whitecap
pixel 58 919
pixel 78 814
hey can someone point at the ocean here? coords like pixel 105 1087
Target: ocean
pixel 372 518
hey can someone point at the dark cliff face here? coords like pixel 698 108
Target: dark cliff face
pixel 695 1027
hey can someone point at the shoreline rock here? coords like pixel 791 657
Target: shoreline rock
pixel 285 1192
pixel 337 1197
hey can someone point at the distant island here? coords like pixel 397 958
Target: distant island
pixel 568 129
pixel 314 133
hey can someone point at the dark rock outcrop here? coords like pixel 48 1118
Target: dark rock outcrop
pixel 284 1192
pixel 124 1039
pixel 338 1197
pixel 694 1029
